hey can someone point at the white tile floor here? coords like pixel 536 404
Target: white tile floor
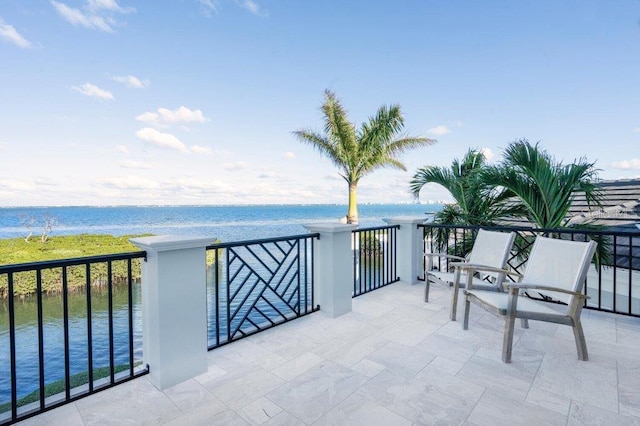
pixel 394 360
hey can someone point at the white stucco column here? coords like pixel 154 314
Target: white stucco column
pixel 174 307
pixel 409 249
pixel 333 268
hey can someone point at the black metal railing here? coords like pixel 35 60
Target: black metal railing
pixel 68 329
pixel 613 280
pixel 374 258
pixel 255 285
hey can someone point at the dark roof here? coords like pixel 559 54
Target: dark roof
pixel 620 204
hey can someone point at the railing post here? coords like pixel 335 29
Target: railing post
pixel 409 254
pixel 174 307
pixel 333 268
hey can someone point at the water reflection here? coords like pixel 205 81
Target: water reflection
pixel 27 352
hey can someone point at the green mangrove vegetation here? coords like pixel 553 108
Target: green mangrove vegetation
pixel 19 250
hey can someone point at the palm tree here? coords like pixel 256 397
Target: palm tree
pixel 476 203
pixel 544 186
pixel 376 144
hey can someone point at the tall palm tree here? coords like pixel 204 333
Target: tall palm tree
pixel 476 203
pixel 376 144
pixel 544 186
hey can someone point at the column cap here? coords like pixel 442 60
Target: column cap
pixel 171 242
pixel 330 228
pixel 400 220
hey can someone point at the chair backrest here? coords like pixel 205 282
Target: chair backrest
pixel 491 248
pixel 559 263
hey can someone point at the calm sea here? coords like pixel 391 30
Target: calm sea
pixel 227 223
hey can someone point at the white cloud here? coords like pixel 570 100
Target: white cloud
pixel 633 164
pixel 9 33
pixel 238 165
pixel 201 150
pixel 289 155
pixel 110 5
pixel 78 17
pixel 89 89
pixel 148 117
pixel 209 7
pixel 129 182
pixel 132 81
pixel 122 148
pixel 16 185
pixel 250 5
pixel 335 177
pixel 165 116
pixel 488 154
pixel 96 14
pixel 192 184
pixel 439 130
pixel 131 164
pixel 162 140
pixel 637 130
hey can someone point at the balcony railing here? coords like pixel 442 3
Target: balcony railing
pixel 374 258
pixel 86 334
pixel 256 285
pixel 75 336
pixel 613 281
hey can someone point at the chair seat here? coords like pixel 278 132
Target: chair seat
pixel 525 305
pixel 447 277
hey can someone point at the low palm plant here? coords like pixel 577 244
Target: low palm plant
pixel 476 203
pixel 545 188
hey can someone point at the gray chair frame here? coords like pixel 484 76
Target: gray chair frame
pixel 489 256
pixel 566 286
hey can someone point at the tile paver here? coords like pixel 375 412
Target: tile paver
pixel 393 360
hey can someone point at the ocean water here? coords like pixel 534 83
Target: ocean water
pixel 227 223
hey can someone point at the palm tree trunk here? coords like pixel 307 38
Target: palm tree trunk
pixel 352 214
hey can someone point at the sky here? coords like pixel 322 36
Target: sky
pixel 190 102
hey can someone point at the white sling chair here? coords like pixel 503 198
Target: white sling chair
pixel 486 261
pixel 556 269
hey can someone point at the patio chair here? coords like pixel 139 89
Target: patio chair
pixel 484 266
pixel 556 269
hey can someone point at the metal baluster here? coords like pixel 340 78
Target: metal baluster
pixel 40 338
pixel 110 314
pixel 12 348
pixel 89 328
pixel 65 321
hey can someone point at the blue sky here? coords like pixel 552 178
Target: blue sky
pixel 194 102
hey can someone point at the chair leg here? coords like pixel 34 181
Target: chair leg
pixel 454 302
pixel 454 294
pixel 524 323
pixel 581 344
pixel 507 340
pixel 426 289
pixel 467 306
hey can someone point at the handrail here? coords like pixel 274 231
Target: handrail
pixel 261 241
pixel 48 264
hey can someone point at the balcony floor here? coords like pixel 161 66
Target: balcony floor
pixel 394 360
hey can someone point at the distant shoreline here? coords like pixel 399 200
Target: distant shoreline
pixel 100 206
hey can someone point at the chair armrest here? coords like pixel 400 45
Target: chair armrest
pixel 516 287
pixel 446 256
pixel 470 266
